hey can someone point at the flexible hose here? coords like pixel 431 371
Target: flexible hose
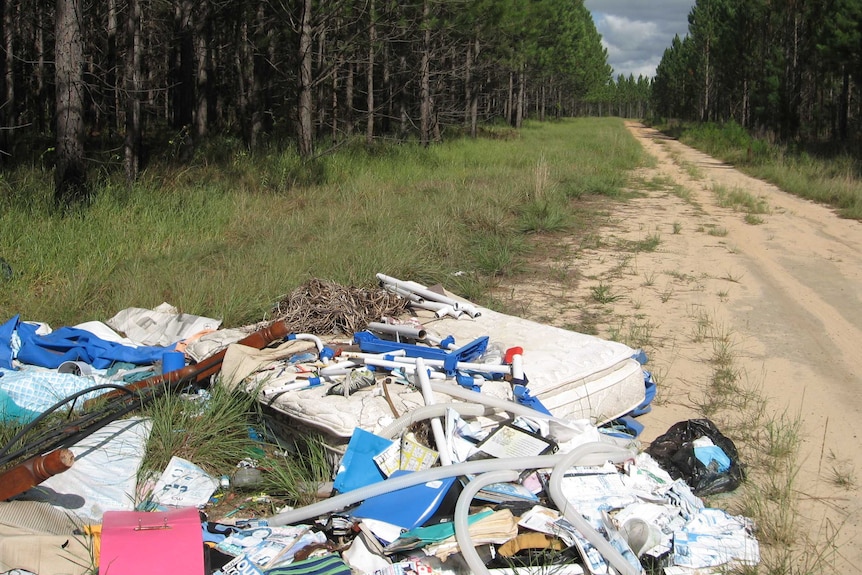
pixel 435 473
pixel 490 401
pixel 427 412
pixel 602 545
pixel 462 508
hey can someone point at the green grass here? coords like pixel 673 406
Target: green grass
pixel 741 200
pixel 230 234
pixel 227 235
pixel 211 430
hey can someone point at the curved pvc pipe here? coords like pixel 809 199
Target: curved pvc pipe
pixel 434 473
pixel 436 425
pixel 308 337
pixel 429 411
pixel 462 508
pixel 602 545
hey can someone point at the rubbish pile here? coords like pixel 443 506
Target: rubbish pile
pixel 460 440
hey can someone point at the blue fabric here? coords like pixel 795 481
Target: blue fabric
pixel 713 453
pixel 73 344
pixel 6 331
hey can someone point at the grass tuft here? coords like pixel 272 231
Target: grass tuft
pixel 211 429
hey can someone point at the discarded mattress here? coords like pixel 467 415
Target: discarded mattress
pixel 574 375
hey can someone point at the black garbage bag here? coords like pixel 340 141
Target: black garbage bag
pixel 675 453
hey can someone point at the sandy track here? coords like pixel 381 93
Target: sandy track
pixel 785 293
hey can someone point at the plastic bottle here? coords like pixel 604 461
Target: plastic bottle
pixel 246 478
pixel 492 355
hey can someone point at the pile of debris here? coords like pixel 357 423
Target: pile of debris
pixel 446 458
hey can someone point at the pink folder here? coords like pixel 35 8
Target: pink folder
pixel 138 542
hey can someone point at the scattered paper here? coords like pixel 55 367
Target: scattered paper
pixel 184 484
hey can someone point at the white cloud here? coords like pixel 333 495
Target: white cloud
pixel 636 33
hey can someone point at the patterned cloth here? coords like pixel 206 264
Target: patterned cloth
pixel 26 393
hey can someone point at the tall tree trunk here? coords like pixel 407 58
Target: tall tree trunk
pixel 425 77
pixel 349 84
pixel 41 99
pixel 369 73
pixel 542 102
pixel 182 68
pixel 70 174
pixel 844 105
pixel 403 117
pixel 319 63
pixel 468 86
pixel 510 100
pixel 333 105
pixel 474 97
pixel 707 81
pixel 7 110
pixel 306 139
pixel 386 121
pixel 519 106
pixel 134 129
pixel 244 70
pixel 112 97
pixel 202 58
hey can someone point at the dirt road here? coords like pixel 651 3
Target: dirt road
pixel 768 308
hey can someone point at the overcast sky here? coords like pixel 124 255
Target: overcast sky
pixel 636 32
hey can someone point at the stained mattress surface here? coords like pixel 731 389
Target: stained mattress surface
pixel 574 375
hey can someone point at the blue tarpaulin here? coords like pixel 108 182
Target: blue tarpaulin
pixel 69 344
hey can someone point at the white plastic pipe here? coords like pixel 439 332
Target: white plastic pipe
pixel 398 330
pixel 439 309
pixel 353 361
pixel 341 368
pixel 309 337
pixel 466 307
pixel 602 545
pixel 424 292
pixel 409 368
pixel 462 509
pixel 301 384
pixel 518 367
pixel 463 365
pixel 436 424
pixel 406 294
